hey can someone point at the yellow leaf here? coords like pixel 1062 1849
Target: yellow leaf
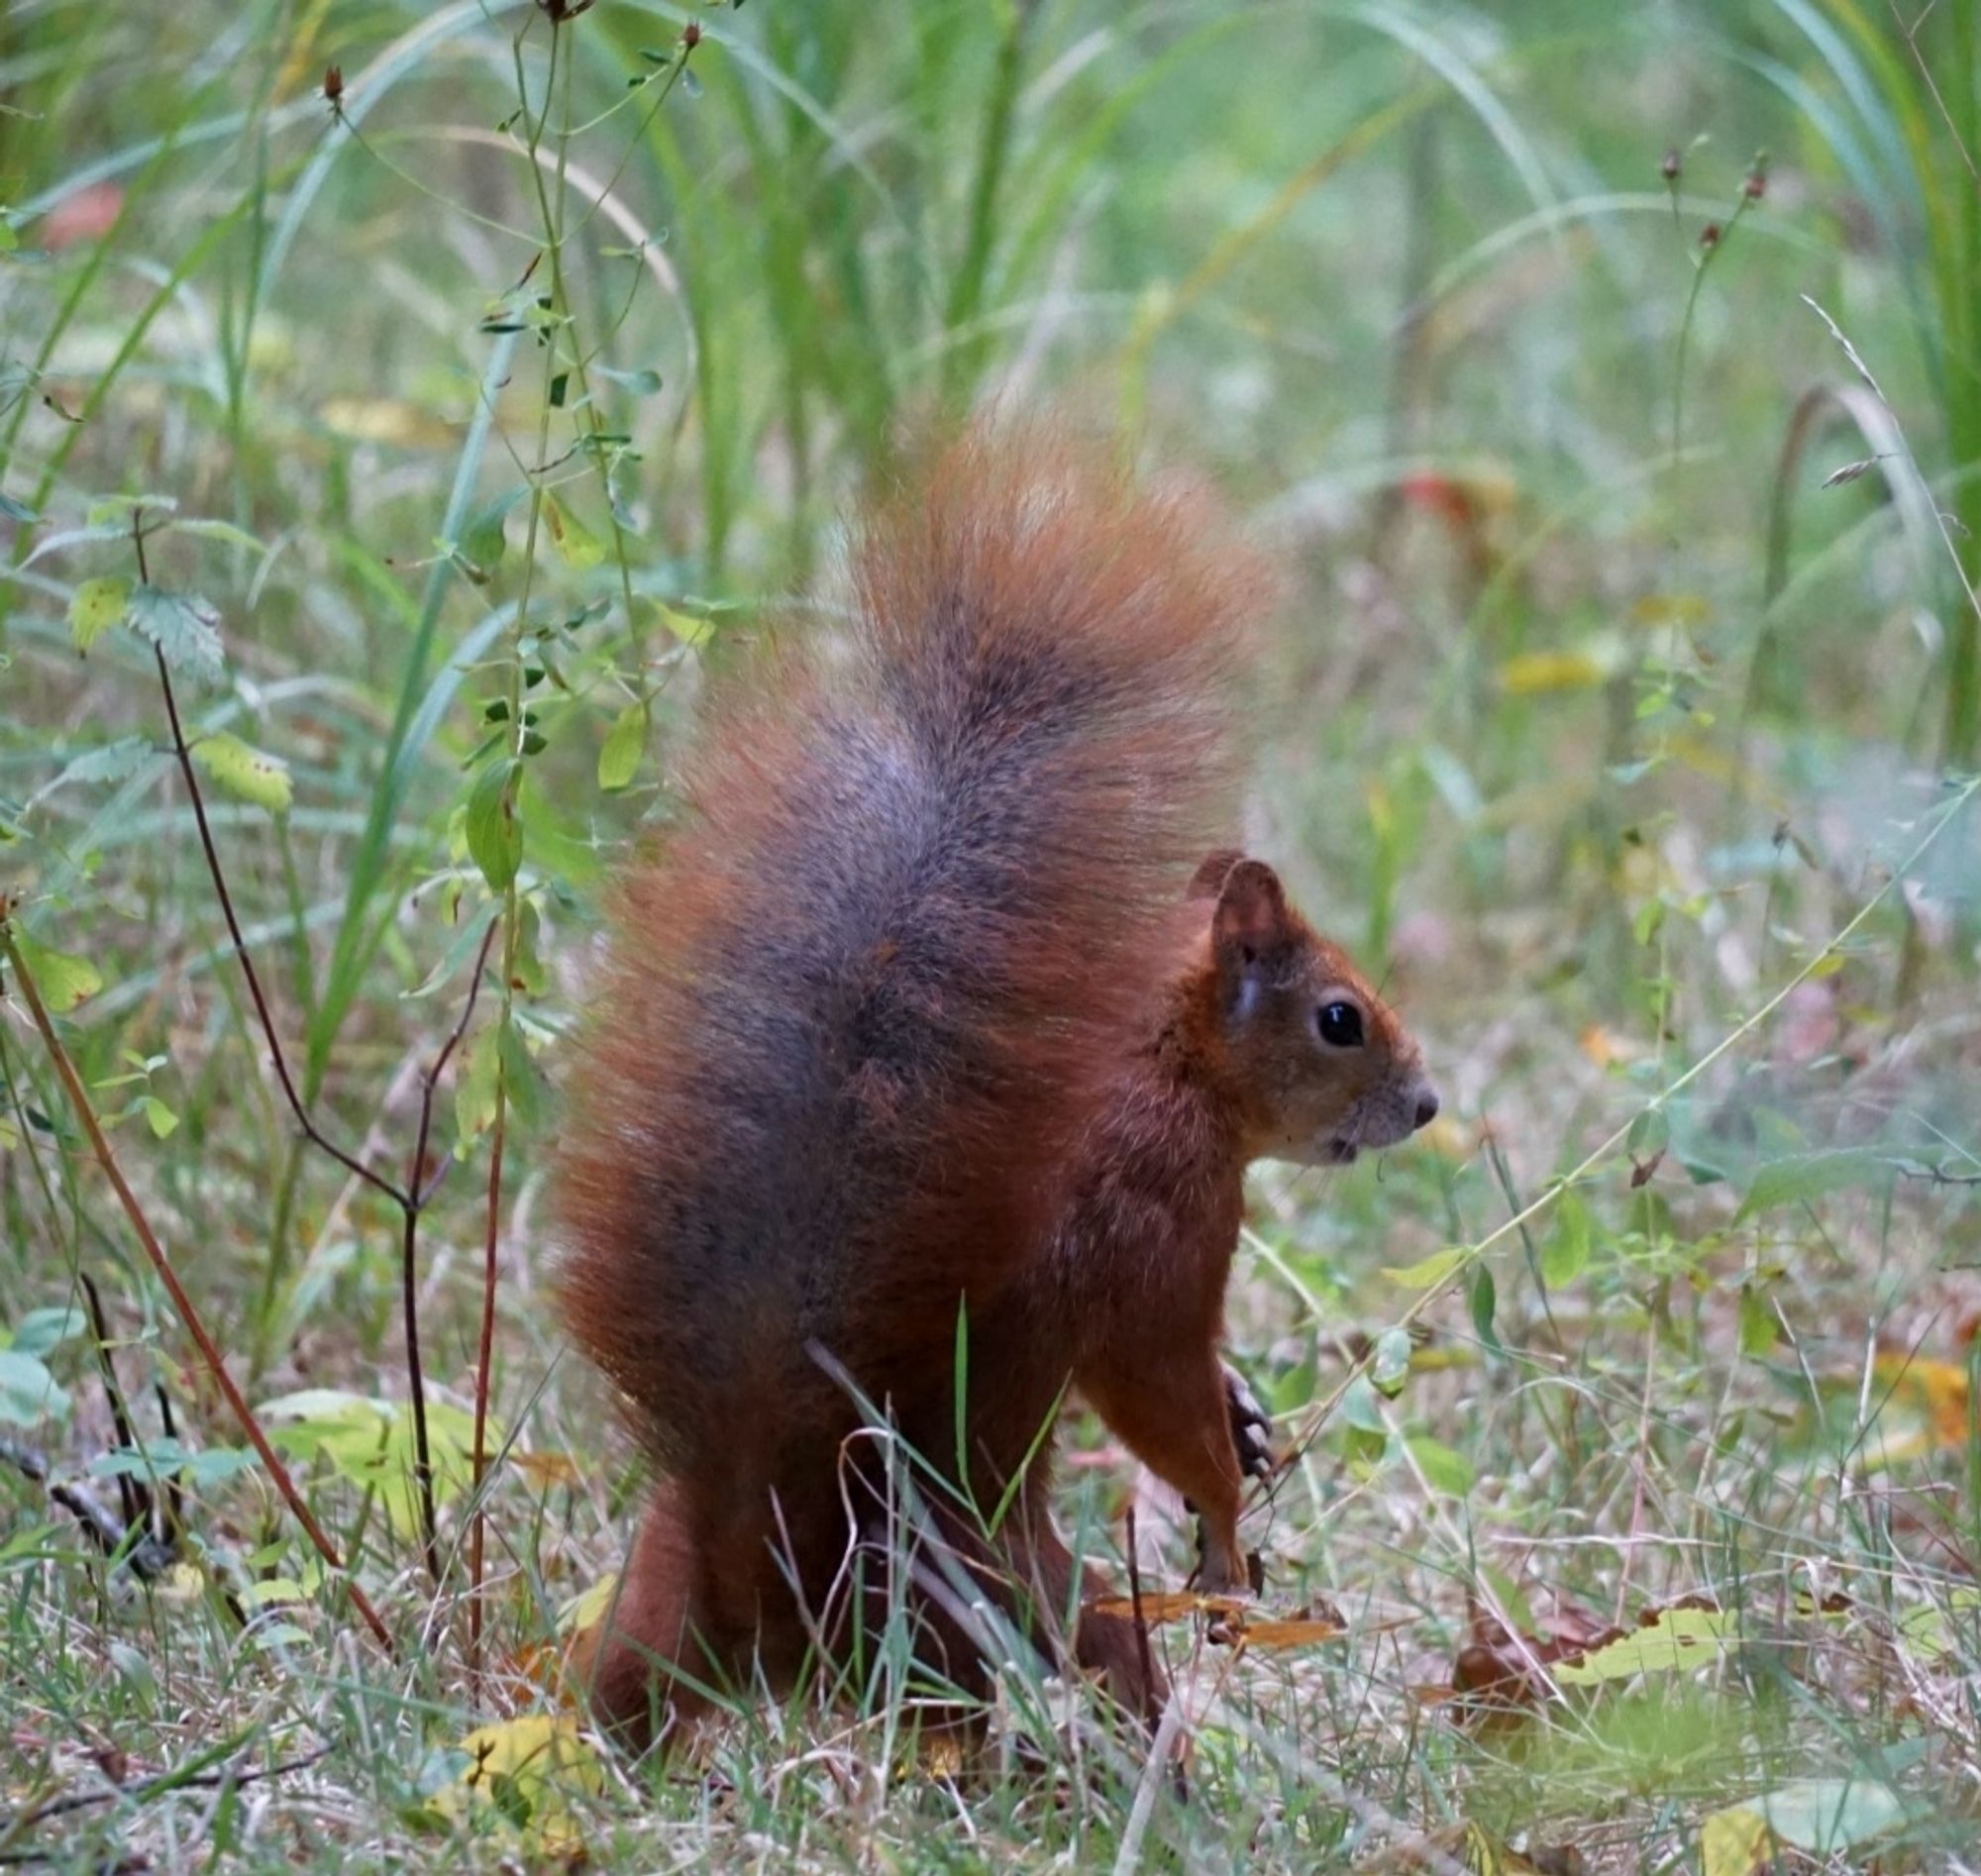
pixel 94 607
pixel 1715 764
pixel 588 1609
pixel 1732 1841
pixel 523 1774
pixel 1819 1817
pixel 63 978
pixel 1672 608
pixel 576 544
pixel 1534 673
pixel 1937 1386
pixel 253 774
pixel 1433 1270
pixel 688 630
pixel 383 420
pixel 279 1589
pixel 625 743
pixel 544 1470
pixel 1276 1636
pixel 182 1583
pixel 1680 1638
pixel 1605 1047
pixel 1165 1606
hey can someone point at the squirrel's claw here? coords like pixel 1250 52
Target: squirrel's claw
pixel 1251 1427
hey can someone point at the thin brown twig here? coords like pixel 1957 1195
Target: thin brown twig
pixel 1141 1622
pixel 164 1784
pixel 119 1415
pixel 182 1303
pixel 349 1161
pixel 484 1361
pixel 411 1206
pixel 1938 1176
pixel 413 1197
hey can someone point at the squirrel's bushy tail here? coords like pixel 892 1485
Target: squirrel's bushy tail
pixel 922 893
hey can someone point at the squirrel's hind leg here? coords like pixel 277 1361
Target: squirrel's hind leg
pixel 658 1628
pixel 1030 1576
pixel 1110 1648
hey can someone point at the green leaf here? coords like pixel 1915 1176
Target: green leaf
pixel 526 968
pixel 94 607
pixel 1650 1133
pixel 1485 1299
pixel 1443 1468
pixel 28 1392
pixel 204 1468
pixel 522 1085
pixel 467 941
pixel 1807 1176
pixel 1433 1270
pixel 63 979
pixel 1820 1817
pixel 372 1444
pixel 1758 1324
pixel 209 529
pixel 494 828
pixel 1565 1256
pixel 686 629
pixel 1362 1407
pixel 1680 1638
pixel 117 511
pixel 575 545
pixel 1389 1366
pixel 185 627
pixel 483 540
pixel 642 383
pixel 625 743
pixel 243 770
pixel 43 1329
pixel 114 762
pixel 475 1090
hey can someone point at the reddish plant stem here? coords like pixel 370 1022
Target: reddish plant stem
pixel 182 1303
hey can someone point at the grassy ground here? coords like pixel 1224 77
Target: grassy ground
pixel 418 450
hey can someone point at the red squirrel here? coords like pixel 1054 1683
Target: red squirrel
pixel 930 1050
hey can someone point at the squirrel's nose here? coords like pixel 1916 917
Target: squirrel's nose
pixel 1427 1106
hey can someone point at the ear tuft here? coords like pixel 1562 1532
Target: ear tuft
pixel 1251 918
pixel 1207 881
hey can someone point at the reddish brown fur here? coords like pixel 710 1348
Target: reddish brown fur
pixel 914 1010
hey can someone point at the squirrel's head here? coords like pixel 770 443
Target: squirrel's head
pixel 1319 1066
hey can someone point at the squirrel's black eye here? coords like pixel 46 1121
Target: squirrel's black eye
pixel 1340 1024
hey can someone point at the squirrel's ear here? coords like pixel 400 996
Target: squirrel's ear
pixel 1207 881
pixel 1249 925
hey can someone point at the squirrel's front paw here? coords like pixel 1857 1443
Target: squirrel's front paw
pixel 1222 1569
pixel 1251 1426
